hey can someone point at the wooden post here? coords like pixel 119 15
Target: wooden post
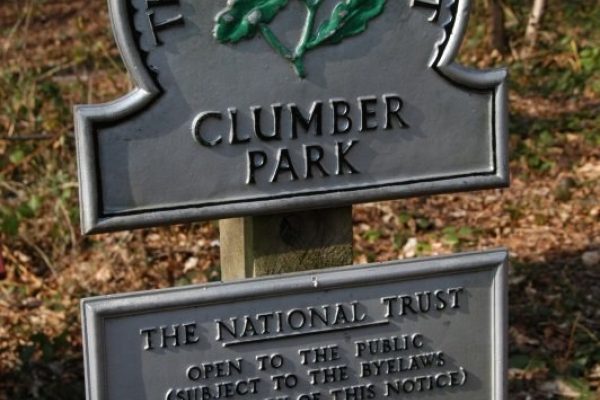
pixel 274 244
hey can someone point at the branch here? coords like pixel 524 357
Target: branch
pixel 535 18
pixel 16 138
pixel 274 42
pixel 311 11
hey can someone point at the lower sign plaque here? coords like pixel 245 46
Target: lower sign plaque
pixel 425 329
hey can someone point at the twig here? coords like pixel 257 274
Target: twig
pixel 274 42
pixel 22 138
pixel 307 31
pixel 41 253
pixel 295 57
pixel 5 185
pixel 56 69
pixel 24 19
pixel 589 332
pixel 65 213
pixel 572 336
pixel 533 25
pixel 9 168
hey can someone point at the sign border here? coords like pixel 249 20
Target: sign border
pixel 95 310
pixel 95 220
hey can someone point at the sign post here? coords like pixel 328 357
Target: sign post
pixel 268 245
pixel 276 116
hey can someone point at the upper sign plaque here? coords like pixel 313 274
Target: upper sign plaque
pixel 253 106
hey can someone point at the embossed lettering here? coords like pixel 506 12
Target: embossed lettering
pixel 358 392
pixel 342 150
pixel 315 118
pixel 256 160
pixel 197 125
pixel 426 382
pixel 215 369
pixel 287 381
pixel 313 156
pixel 435 5
pixel 233 128
pixel 220 390
pixel 317 355
pixel 327 315
pixel 395 365
pixel 147 334
pixel 284 165
pixel 422 302
pixel 368 114
pixel 170 335
pixel 164 24
pixel 275 361
pixel 341 111
pixel 328 374
pixel 258 131
pixel 393 105
pixel 392 344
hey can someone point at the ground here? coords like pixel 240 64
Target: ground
pixel 56 53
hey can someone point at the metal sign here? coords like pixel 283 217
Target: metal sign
pixel 431 328
pixel 261 106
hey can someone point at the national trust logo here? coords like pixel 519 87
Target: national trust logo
pixel 243 19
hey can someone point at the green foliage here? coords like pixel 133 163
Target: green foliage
pixel 372 235
pixel 525 362
pixel 242 19
pixel 423 223
pixel 10 218
pixel 16 156
pixel 572 68
pixel 44 362
pixel 589 58
pixel 456 236
pixel 348 18
pixel 537 138
pixel 9 222
pixel 423 248
pixel 583 389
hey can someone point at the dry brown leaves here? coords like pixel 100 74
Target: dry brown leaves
pixel 547 218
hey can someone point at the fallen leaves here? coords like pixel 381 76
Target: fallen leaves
pixel 549 218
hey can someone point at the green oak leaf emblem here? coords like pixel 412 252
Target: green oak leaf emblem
pixel 243 19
